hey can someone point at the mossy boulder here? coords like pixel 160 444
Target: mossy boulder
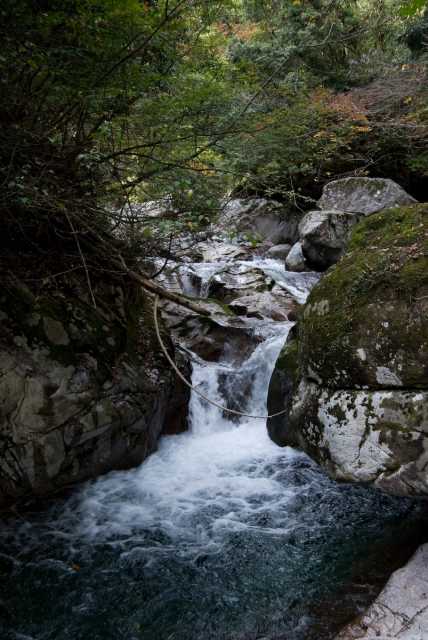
pixel 360 405
pixel 365 324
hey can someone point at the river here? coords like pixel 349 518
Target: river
pixel 219 535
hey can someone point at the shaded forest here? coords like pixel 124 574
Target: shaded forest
pixel 109 104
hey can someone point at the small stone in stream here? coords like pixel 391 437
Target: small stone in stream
pixel 295 260
pixel 279 252
pixel 292 316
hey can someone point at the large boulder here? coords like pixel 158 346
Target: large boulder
pixel 360 407
pixel 82 390
pixel 324 236
pixel 275 222
pixel 363 195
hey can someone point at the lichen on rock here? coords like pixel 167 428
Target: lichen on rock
pixel 360 405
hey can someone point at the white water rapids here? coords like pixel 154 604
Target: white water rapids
pixel 219 535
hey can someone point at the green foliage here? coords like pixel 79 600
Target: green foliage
pixel 411 7
pixel 106 105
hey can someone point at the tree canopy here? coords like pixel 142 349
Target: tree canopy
pixel 105 104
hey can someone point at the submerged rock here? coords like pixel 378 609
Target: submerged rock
pixel 325 235
pixel 82 391
pixel 360 405
pixel 363 195
pixel 295 260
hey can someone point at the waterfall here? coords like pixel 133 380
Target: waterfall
pixel 219 535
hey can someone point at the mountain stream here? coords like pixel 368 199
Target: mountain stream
pixel 219 535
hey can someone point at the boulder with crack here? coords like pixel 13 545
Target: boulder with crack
pixel 275 222
pixel 238 280
pixel 359 404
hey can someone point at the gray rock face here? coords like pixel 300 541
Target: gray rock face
pixel 401 609
pixel 73 402
pixel 359 436
pixel 270 219
pixel 277 305
pixel 279 252
pixel 220 252
pixel 325 235
pixel 363 195
pixel 295 260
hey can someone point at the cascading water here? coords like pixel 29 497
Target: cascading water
pixel 219 535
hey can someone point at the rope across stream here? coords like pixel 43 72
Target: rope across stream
pixel 174 366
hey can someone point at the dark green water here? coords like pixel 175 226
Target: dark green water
pixel 220 535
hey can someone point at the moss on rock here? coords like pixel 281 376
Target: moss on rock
pixel 366 322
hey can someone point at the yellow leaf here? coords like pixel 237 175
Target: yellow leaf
pixel 138 627
pixel 75 566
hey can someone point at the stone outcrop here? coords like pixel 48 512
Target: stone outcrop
pixel 363 195
pixel 401 609
pixel 273 221
pixel 359 406
pixel 82 391
pixel 324 236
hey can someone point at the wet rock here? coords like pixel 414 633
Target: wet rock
pixel 236 281
pixel 295 260
pixel 220 252
pixel 286 372
pixel 273 221
pixel 325 235
pixel 81 393
pixel 363 195
pixel 213 339
pixel 277 306
pixel 279 252
pixel 401 609
pixel 360 406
